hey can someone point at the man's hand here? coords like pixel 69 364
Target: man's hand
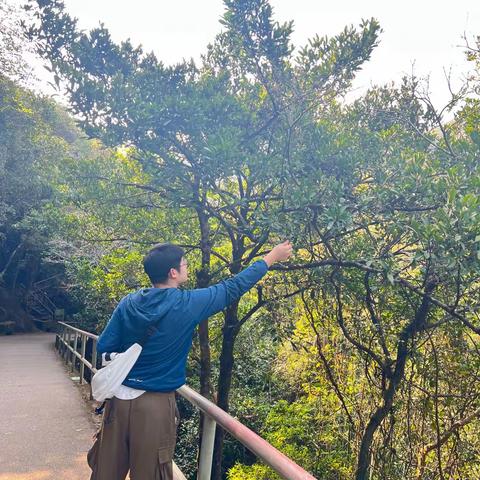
pixel 279 253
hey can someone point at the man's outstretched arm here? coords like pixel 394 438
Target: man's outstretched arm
pixel 205 302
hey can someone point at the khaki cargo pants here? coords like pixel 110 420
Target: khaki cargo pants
pixel 137 435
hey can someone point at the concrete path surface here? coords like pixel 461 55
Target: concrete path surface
pixel 45 429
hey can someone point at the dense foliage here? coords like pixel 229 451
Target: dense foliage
pixel 359 358
pixel 35 136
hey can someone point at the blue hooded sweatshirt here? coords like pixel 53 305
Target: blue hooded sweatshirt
pixel 162 363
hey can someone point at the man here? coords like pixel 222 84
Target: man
pixel 139 430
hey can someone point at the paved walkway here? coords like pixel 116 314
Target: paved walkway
pixel 45 429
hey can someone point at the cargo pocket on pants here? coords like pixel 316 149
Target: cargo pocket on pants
pixel 165 466
pixel 109 412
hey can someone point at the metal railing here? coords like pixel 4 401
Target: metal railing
pixel 67 342
pixel 40 297
pixel 45 281
pixel 40 306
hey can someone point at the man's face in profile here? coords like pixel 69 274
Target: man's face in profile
pixel 183 271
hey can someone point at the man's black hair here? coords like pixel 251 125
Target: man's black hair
pixel 160 259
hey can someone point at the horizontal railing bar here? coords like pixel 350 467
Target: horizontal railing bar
pixel 177 473
pixel 79 356
pixel 83 332
pixel 256 444
pixel 46 280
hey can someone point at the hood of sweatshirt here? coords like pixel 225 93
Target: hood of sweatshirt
pixel 146 308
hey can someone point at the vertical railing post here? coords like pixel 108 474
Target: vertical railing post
pixel 70 354
pixel 62 337
pixel 74 357
pixel 82 365
pixel 206 449
pixel 68 334
pixel 94 363
pixel 94 356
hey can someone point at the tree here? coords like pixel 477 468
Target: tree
pixel 392 246
pixel 379 196
pixel 216 138
pixel 34 138
pixel 13 45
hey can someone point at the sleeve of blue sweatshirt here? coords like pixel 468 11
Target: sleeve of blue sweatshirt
pixel 109 340
pixel 204 302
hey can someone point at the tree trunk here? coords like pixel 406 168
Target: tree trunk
pixel 13 258
pixel 203 280
pixel 365 454
pixel 230 331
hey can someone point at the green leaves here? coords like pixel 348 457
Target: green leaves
pixel 255 144
pixel 334 61
pixel 253 33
